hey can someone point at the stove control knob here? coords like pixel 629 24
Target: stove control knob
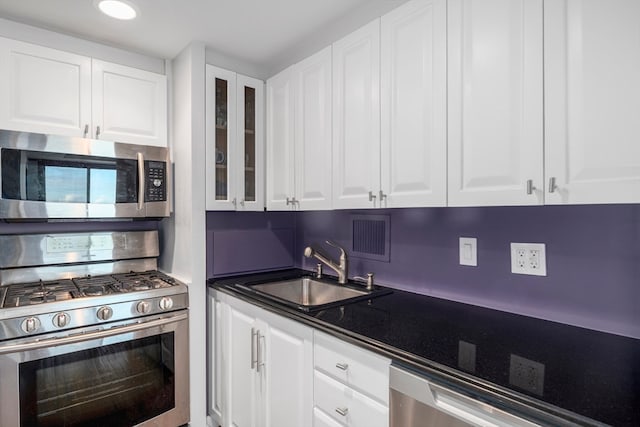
pixel 165 303
pixel 30 324
pixel 143 307
pixel 104 313
pixel 60 320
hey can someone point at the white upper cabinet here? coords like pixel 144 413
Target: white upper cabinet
pixel 299 135
pixel 356 118
pixel 313 132
pixel 495 117
pixel 44 90
pixel 413 168
pixel 129 105
pixel 49 91
pixel 234 141
pixel 280 141
pixel 592 101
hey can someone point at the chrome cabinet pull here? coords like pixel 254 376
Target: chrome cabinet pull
pixel 371 196
pixel 342 366
pixel 86 131
pixel 242 202
pixel 530 186
pixel 382 196
pixel 552 184
pixel 253 348
pixel 97 132
pixel 259 361
pixel 234 202
pixel 342 411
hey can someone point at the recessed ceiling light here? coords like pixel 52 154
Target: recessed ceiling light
pixel 117 9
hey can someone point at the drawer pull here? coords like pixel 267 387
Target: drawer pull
pixel 342 411
pixel 342 366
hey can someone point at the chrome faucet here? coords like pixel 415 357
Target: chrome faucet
pixel 341 268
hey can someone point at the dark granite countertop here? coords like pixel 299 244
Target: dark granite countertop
pixel 587 375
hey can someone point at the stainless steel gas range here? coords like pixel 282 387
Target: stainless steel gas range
pixel 91 334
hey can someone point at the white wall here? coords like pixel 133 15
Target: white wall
pixel 183 235
pixel 54 40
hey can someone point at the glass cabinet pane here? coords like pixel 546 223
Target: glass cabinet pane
pixel 222 144
pixel 249 144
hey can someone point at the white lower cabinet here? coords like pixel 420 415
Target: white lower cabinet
pixel 265 370
pixel 260 370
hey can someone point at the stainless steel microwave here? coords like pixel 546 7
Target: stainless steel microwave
pixel 49 176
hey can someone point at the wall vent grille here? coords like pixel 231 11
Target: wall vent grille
pixel 370 236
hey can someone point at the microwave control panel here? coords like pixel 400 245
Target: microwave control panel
pixel 156 185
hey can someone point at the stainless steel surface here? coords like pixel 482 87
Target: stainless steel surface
pixel 530 186
pixel 308 292
pixel 368 280
pixel 26 350
pixel 19 209
pixel 371 196
pixel 552 184
pixel 421 401
pixel 319 270
pixel 68 248
pixel 341 268
pixel 142 179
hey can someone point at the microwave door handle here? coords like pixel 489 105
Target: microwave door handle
pixel 141 181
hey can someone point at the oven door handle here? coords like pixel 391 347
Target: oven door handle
pixel 92 335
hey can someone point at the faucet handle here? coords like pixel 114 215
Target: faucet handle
pixel 368 279
pixel 335 245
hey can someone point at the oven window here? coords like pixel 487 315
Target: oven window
pixel 116 385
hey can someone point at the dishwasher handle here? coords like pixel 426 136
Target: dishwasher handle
pixel 457 405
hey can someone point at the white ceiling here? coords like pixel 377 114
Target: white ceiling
pixel 255 31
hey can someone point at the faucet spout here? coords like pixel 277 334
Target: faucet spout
pixel 340 268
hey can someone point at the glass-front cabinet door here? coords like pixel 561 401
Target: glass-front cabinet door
pixel 234 138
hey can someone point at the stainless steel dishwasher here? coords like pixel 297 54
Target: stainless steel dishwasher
pixel 423 401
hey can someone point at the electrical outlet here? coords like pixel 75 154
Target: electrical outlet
pixel 528 258
pixel 526 374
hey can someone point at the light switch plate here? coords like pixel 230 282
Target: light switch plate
pixel 469 251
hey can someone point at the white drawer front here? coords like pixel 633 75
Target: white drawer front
pixel 358 368
pixel 349 407
pixel 320 419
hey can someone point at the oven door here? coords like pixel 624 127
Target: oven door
pixel 131 374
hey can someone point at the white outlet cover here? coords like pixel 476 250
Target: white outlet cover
pixel 529 258
pixel 469 251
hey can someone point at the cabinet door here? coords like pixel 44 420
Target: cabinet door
pixel 356 118
pixel 243 386
pixel 220 130
pixel 128 105
pixel 495 102
pixel 250 158
pixel 592 101
pixel 44 90
pixel 280 137
pixel 215 355
pixel 289 373
pixel 313 131
pixel 414 105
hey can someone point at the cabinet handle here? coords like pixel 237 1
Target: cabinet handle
pixel 342 366
pixel 292 201
pixel 86 131
pixel 97 132
pixel 259 361
pixel 552 184
pixel 342 411
pixel 242 202
pixel 382 196
pixel 234 202
pixel 371 196
pixel 142 179
pixel 254 362
pixel 530 186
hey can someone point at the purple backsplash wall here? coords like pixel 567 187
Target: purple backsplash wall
pixel 593 256
pixel 593 259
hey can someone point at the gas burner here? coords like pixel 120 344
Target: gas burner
pixel 39 299
pixel 19 295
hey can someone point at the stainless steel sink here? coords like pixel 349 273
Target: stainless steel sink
pixel 307 292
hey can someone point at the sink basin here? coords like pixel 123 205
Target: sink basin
pixel 308 293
